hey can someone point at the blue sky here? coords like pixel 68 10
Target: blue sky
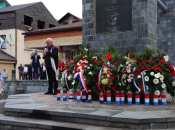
pixel 58 8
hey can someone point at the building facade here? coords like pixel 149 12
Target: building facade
pixel 15 20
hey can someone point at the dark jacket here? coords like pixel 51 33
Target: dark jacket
pixel 33 62
pixel 30 69
pixel 53 54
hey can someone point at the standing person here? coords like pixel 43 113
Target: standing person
pixel 30 71
pixel 0 81
pixel 50 56
pixel 35 64
pixel 61 69
pixel 4 77
pixel 25 71
pixel 21 70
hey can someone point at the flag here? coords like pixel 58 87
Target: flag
pixel 11 40
pixel 5 40
pixel 1 41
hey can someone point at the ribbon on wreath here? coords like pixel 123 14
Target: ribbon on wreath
pixel 143 81
pixel 99 77
pixel 65 79
pixel 82 80
pixel 134 82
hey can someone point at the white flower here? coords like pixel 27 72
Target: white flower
pixel 147 88
pixel 70 77
pixel 152 73
pixel 163 85
pixel 157 92
pixel 159 74
pixel 156 75
pixel 155 81
pixel 146 78
pixel 73 82
pixel 95 57
pixel 173 83
pixel 88 67
pixel 86 49
pixel 90 73
pixel 138 76
pixel 161 81
pixel 90 64
pixel 161 77
pixel 120 84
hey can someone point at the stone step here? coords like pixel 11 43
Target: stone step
pixel 20 123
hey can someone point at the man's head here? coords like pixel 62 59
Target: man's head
pixel 49 42
pixel 36 52
pixel 4 69
pixel 61 61
pixel 20 64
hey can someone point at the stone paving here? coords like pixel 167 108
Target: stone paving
pixel 51 100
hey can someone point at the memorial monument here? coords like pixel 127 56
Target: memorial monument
pixel 120 23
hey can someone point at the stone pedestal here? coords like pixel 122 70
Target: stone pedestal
pixel 142 35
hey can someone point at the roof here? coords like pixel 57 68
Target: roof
pixel 6 57
pixel 77 25
pixel 59 21
pixel 16 7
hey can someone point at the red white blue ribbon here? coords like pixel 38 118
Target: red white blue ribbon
pixel 99 77
pixel 143 82
pixel 65 79
pixel 134 82
pixel 82 80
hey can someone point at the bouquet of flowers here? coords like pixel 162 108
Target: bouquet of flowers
pixel 81 73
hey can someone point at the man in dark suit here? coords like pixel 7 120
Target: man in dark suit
pixel 51 63
pixel 35 64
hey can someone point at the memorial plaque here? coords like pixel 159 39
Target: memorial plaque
pixel 113 16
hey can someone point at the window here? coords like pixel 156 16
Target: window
pixel 51 25
pixel 64 23
pixel 28 20
pixel 41 24
pixel 3 46
pixel 75 21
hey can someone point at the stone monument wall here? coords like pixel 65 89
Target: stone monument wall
pixel 143 32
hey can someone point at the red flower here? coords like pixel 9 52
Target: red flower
pixel 131 55
pixel 114 88
pixel 109 57
pixel 75 59
pixel 83 68
pixel 151 63
pixel 66 66
pixel 171 68
pixel 148 69
pixel 137 72
pixel 159 68
pixel 143 68
pixel 112 77
pixel 68 72
pixel 98 89
pixel 155 68
pixel 144 63
pixel 124 61
pixel 83 55
pixel 71 63
pixel 138 62
pixel 149 56
pixel 155 58
pixel 162 61
pixel 116 63
pixel 172 73
pixel 104 86
pixel 163 54
pixel 95 61
pixel 147 62
pixel 102 64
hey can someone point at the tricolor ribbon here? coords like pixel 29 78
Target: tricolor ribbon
pixel 65 79
pixel 82 80
pixel 143 82
pixel 134 82
pixel 99 77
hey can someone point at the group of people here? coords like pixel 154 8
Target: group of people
pixel 3 77
pixel 27 72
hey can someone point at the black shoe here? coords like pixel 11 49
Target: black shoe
pixel 54 93
pixel 48 92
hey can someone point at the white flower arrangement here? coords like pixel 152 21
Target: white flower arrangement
pixel 152 73
pixel 146 78
pixel 155 81
pixel 163 85
pixel 157 75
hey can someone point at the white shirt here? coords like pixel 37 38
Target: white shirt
pixel 25 69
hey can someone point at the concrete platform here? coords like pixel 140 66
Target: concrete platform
pixel 41 106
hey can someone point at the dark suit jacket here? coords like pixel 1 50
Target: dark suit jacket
pixel 33 62
pixel 53 54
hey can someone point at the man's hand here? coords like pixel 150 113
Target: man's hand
pixel 45 50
